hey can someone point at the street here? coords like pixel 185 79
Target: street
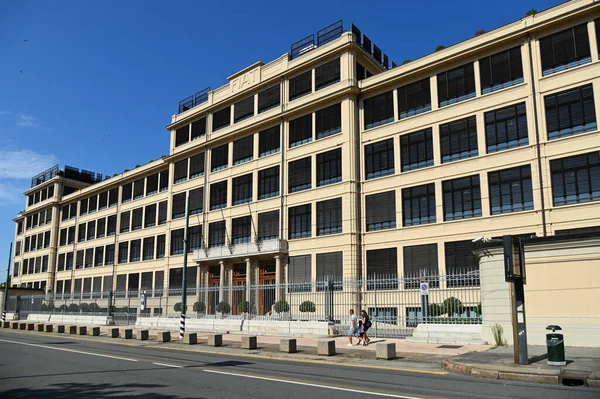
pixel 42 366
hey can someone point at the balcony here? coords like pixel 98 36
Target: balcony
pixel 265 247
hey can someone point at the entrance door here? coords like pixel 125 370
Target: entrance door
pixel 214 282
pixel 238 288
pixel 267 287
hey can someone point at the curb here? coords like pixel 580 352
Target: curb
pixel 548 377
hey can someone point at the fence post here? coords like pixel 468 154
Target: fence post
pixel 375 301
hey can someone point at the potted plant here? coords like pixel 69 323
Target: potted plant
pixel 243 307
pixel 307 307
pixel 199 307
pixel 223 308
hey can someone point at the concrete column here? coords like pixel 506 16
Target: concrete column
pixel 248 277
pixel 221 281
pixel 277 277
pixel 198 278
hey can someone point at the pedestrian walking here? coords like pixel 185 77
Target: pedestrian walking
pixel 366 324
pixel 353 327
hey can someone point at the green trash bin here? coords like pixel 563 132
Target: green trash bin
pixel 555 345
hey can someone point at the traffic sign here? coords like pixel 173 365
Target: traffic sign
pixel 424 288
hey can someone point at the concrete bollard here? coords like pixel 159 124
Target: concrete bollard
pixel 6 324
pixel 48 328
pixel 82 330
pixel 287 345
pixel 326 348
pixel 127 333
pixel 113 332
pixel 95 331
pixel 190 338
pixel 164 336
pixel 22 326
pixel 39 327
pixel 14 325
pixel 60 329
pixel 385 350
pixel 143 335
pixel 248 342
pixel 215 340
pixel 30 326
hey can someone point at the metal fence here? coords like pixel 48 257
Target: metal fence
pixel 396 304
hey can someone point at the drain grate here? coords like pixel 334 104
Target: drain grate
pixel 450 346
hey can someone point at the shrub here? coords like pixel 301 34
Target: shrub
pixel 406 62
pixel 223 307
pixel 73 307
pixel 307 306
pixel 440 47
pixel 63 308
pixel 498 333
pixel 51 307
pixel 281 306
pixel 531 12
pixel 480 32
pixel 478 309
pixel 244 306
pixel 177 307
pixel 125 309
pixel 44 307
pixel 94 307
pixel 435 310
pixel 84 307
pixel 199 307
pixel 452 306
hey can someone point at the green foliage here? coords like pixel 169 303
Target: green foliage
pixel 452 306
pixel 439 48
pixel 244 306
pixel 223 307
pixel 478 309
pixel 406 62
pixel 125 309
pixel 531 12
pixel 307 306
pixel 199 307
pixel 480 32
pixel 44 307
pixel 177 307
pixel 51 307
pixel 94 308
pixel 435 310
pixel 73 307
pixel 63 308
pixel 498 333
pixel 84 307
pixel 281 306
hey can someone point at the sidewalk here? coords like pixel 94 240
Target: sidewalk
pixel 583 366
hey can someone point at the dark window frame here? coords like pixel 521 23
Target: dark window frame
pixel 453 138
pixel 373 154
pixel 581 53
pixel 498 184
pixel 218 195
pixel 299 221
pixel 304 88
pixel 327 74
pixel 383 102
pixel 416 150
pixel 241 189
pixel 243 150
pixel 414 98
pixel 221 119
pixel 329 167
pixel 380 211
pixel 420 200
pixel 300 175
pixel 461 198
pixel 578 182
pixel 298 129
pixel 501 70
pixel 583 107
pixel 268 183
pixel 243 109
pixel 506 128
pixel 329 217
pixel 463 86
pixel 269 141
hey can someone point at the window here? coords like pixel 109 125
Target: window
pixel 510 190
pixel 20 227
pixel 241 229
pixel 300 85
pixel 181 171
pixel 136 219
pixel 379 159
pixel 329 217
pixel 83 207
pixel 164 180
pixel 135 250
pixel 506 128
pixel 126 192
pixel 62 239
pixel 299 221
pixel 160 246
pixel 182 135
pixel 379 110
pixel 501 70
pixel 416 150
pixel 216 234
pixel 327 74
pixel 299 175
pixel 176 278
pixel 269 141
pixel 138 189
pixel 196 201
pixel 150 216
pixel 381 211
pixel 81 232
pixel 152 184
pixel 69 261
pixel 243 109
pixel 89 258
pixel 243 150
pixel 418 205
pixel 242 189
pixel 329 121
pixel 195 238
pixel 60 263
pixel 103 200
pixel 91 230
pixel 414 99
pixel 198 128
pixel 576 179
pixel 564 50
pixel 148 248
pixel 113 197
pixel 178 206
pixel 218 195
pixel 110 254
pixel 597 23
pixel 301 130
pixel 268 225
pixel 462 266
pixel 570 112
pixel 162 212
pixel 330 268
pixel 360 72
pixel 268 183
pixel 300 276
pixel 420 261
pixel 269 98
pixel 458 139
pixel 329 167
pixel 123 252
pixel 71 235
pixel 462 198
pixel 456 85
pixel 93 204
pixel 177 242
pixel 219 158
pixel 221 119
pixel 124 222
pixel 382 265
pixel 99 255
pixel 44 264
pixel 111 228
pixel 197 165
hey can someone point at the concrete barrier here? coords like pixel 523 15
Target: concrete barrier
pixel 385 350
pixel 448 334
pixel 215 340
pixel 48 328
pixel 113 332
pixel 6 324
pixel 82 330
pixel 164 336
pixel 30 326
pixel 326 348
pixel 60 329
pixel 249 342
pixel 143 335
pixel 190 338
pixel 288 345
pixel 127 333
pixel 95 331
pixel 14 325
pixel 22 326
pixel 39 327
pixel 72 330
pixel 70 319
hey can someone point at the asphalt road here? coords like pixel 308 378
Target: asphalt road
pixel 42 366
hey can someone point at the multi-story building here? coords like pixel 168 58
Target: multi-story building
pixel 329 162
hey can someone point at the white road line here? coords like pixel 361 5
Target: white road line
pixel 314 385
pixel 168 365
pixel 68 350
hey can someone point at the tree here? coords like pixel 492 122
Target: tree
pixel 281 306
pixel 307 307
pixel 439 48
pixel 178 306
pixel 244 306
pixel 531 12
pixel 435 310
pixel 223 307
pixel 452 306
pixel 199 307
pixel 3 284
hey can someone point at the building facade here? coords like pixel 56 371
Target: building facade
pixel 329 163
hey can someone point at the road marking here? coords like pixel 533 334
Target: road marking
pixel 389 395
pixel 167 365
pixel 68 350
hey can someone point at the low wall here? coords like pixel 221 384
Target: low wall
pixel 448 334
pixel 70 319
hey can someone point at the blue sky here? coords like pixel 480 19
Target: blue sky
pixel 93 84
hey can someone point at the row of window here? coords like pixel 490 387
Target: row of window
pixel 34 242
pixel 560 51
pixel 31 266
pixel 41 195
pixel 36 220
pixel 103 285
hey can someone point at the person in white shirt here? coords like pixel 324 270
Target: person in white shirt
pixel 353 327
